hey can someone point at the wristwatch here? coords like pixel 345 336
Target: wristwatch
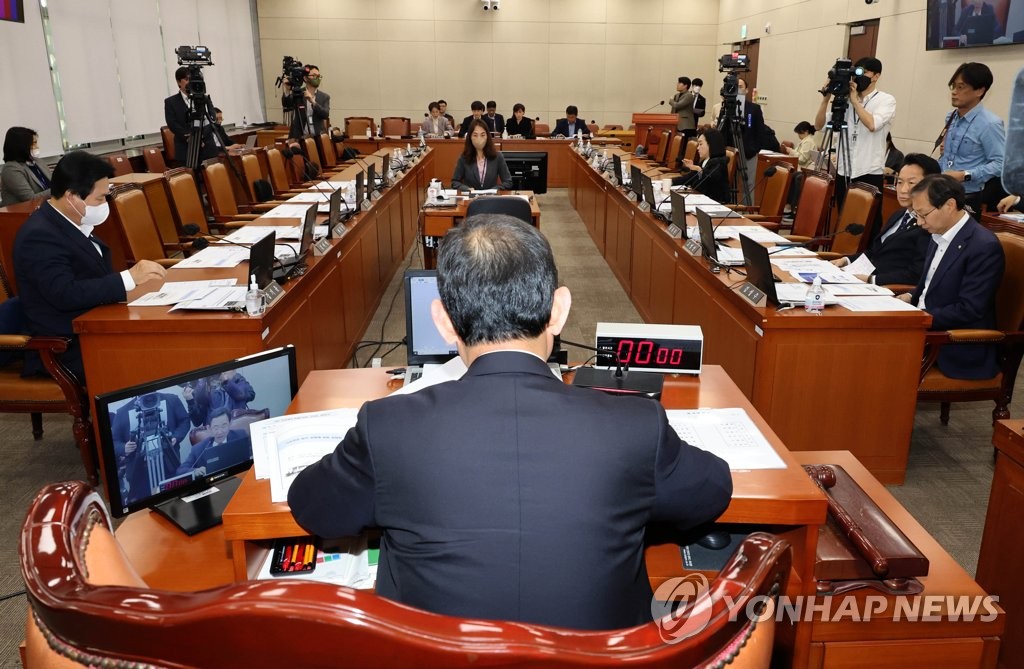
pixel 967 175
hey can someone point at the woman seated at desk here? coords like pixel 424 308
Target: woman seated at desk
pixel 480 166
pixel 22 177
pixel 710 175
pixel 436 125
pixel 519 126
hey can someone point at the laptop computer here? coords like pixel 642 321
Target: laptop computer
pixel 759 273
pixel 424 345
pixel 720 255
pixel 250 141
pixel 662 205
pixel 294 262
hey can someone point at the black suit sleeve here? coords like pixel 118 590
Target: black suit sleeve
pixel 176 121
pixel 983 271
pixel 52 276
pixel 459 176
pixel 504 176
pixel 335 497
pixel 910 271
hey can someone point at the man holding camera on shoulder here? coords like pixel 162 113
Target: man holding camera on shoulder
pixel 869 116
pixel 313 110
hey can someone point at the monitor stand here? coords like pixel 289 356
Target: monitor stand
pixel 202 510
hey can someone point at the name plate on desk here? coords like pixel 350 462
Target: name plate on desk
pixel 338 230
pixel 753 294
pixel 675 232
pixel 271 293
pixel 692 246
pixel 366 204
pixel 644 207
pixel 631 196
pixel 322 247
pixel 375 195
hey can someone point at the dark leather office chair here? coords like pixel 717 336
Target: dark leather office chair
pixel 776 182
pixel 226 210
pixel 396 126
pixel 510 205
pixel 855 223
pixel 659 152
pixel 672 157
pixel 88 603
pixel 58 393
pixel 154 158
pixel 1008 337
pixel 690 152
pixel 186 204
pixel 168 139
pixel 120 163
pixel 129 207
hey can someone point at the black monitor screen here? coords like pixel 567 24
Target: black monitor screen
pixel 334 212
pixel 371 177
pixel 759 267
pixel 635 182
pixel 308 227
pixel 955 24
pixel 617 167
pixel 707 234
pixel 679 211
pixel 261 260
pixel 178 435
pixel 529 170
pixel 360 190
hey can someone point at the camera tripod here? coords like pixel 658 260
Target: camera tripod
pixel 730 124
pixel 201 120
pixel 835 140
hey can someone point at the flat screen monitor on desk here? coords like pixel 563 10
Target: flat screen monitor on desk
pixel 174 444
pixel 360 191
pixel 529 170
pixel 617 168
pixel 635 182
pixel 294 261
pixel 261 260
pixel 424 344
pixel 759 268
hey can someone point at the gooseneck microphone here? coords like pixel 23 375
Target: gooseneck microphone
pixel 620 372
pixel 652 107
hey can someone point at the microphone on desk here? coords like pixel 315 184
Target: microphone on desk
pixel 652 107
pixel 620 372
pixel 619 381
pixel 200 243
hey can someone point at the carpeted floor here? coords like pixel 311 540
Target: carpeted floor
pixel 947 484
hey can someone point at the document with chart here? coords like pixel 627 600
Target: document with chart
pixel 729 434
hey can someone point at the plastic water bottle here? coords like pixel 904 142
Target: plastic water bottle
pixel 369 133
pixel 245 122
pixel 253 298
pixel 814 301
pixel 433 190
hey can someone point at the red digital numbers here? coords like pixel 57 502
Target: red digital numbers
pixel 641 352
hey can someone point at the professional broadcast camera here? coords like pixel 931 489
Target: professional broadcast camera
pixel 153 439
pixel 734 62
pixel 294 73
pixel 195 57
pixel 839 78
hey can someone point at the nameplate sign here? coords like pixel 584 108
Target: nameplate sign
pixel 692 247
pixel 753 294
pixel 674 232
pixel 272 292
pixel 366 204
pixel 322 247
pixel 375 195
pixel 644 207
pixel 338 230
pixel 631 196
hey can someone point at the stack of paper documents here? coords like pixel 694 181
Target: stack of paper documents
pixel 173 292
pixel 287 211
pixel 215 256
pixel 216 299
pixel 729 434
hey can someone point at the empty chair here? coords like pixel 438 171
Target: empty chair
pixel 120 163
pixel 672 157
pixel 142 241
pixel 355 126
pixel 186 204
pixel 510 205
pixel 815 200
pixel 222 197
pixel 541 129
pixel 277 170
pixel 776 183
pixel 88 602
pixel 662 148
pixel 593 128
pixel 168 139
pixel 327 153
pixel 690 153
pixel 855 223
pixel 395 126
pixel 154 160
pixel 611 126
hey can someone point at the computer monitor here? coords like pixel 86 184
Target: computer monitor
pixel 707 234
pixel 617 167
pixel 529 170
pixel 333 212
pixel 261 260
pixel 635 182
pixel 371 177
pixel 648 188
pixel 424 344
pixel 759 268
pixel 679 211
pixel 360 191
pixel 174 444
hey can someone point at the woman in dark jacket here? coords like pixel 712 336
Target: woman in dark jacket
pixel 480 166
pixel 709 174
pixel 22 176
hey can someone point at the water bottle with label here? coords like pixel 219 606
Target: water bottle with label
pixel 814 301
pixel 253 298
pixel 245 123
pixel 433 190
pixel 369 133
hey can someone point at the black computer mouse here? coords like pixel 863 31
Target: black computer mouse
pixel 715 540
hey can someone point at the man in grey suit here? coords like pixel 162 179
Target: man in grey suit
pixel 313 112
pixel 682 105
pixel 508 494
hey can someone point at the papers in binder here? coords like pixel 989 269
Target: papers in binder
pixel 729 434
pixel 284 446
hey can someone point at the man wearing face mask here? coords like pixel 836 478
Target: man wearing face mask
pixel 869 116
pixel 176 115
pixel 700 103
pixel 312 115
pixel 63 270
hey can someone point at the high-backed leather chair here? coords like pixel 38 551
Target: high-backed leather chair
pixel 60 392
pixel 593 128
pixel 690 153
pixel 395 126
pixel 1008 337
pixel 730 154
pixel 662 149
pixel 88 603
pixel 168 139
pixel 516 207
pixel 611 126
pixel 154 158
pixel 142 241
pixel 221 196
pixel 309 148
pixel 120 163
pixel 186 204
pixel 672 157
pixel 355 126
pixel 855 223
pixel 327 152
pixel 251 172
pixel 541 129
pixel 776 181
pixel 278 170
pixel 815 199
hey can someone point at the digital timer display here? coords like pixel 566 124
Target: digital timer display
pixel 650 354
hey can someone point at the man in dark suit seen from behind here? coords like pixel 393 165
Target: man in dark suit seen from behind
pixel 508 494
pixel 176 115
pixel 62 270
pixel 962 271
pixel 494 120
pixel 571 124
pixel 898 250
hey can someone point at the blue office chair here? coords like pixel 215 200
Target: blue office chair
pixel 513 206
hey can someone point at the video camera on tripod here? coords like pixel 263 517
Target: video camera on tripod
pixel 153 439
pixel 293 72
pixel 194 57
pixel 200 108
pixel 731 123
pixel 839 78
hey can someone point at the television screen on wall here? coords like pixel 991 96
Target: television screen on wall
pixel 12 10
pixel 957 24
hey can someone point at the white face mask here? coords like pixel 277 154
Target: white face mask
pixel 479 142
pixel 35 153
pixel 696 89
pixel 93 216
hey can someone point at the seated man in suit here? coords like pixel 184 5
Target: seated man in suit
pixel 218 127
pixel 898 251
pixel 494 120
pixel 477 114
pixel 62 270
pixel 508 494
pixel 571 124
pixel 176 116
pixel 963 268
pixel 444 112
pixel 220 433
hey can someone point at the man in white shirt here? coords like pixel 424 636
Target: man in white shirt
pixel 869 116
pixel 963 269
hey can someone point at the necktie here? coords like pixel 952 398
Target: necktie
pixel 907 222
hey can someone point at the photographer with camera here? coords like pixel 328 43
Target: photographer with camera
pixel 310 106
pixel 868 117
pixel 176 115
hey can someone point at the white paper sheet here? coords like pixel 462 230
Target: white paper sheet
pixel 729 434
pixel 299 446
pixel 218 255
pixel 850 289
pixel 861 266
pixel 173 292
pixel 310 196
pixel 876 304
pixel 215 299
pixel 434 374
pixel 287 211
pixel 796 293
pixel 263 434
pixel 755 232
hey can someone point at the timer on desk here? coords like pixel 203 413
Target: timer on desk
pixel 669 349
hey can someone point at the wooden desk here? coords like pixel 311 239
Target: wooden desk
pixel 784 500
pixel 889 640
pixel 1002 551
pixel 861 368
pixel 627 138
pixel 437 221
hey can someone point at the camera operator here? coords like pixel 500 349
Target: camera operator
pixel 312 113
pixel 176 115
pixel 869 116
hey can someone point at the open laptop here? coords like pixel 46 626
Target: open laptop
pixel 759 273
pixel 662 205
pixel 292 262
pixel 721 255
pixel 250 141
pixel 424 345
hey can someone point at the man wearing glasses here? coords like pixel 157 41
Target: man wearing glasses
pixel 314 111
pixel 963 268
pixel 974 138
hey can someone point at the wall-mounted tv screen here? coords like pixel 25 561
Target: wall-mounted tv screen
pixel 956 24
